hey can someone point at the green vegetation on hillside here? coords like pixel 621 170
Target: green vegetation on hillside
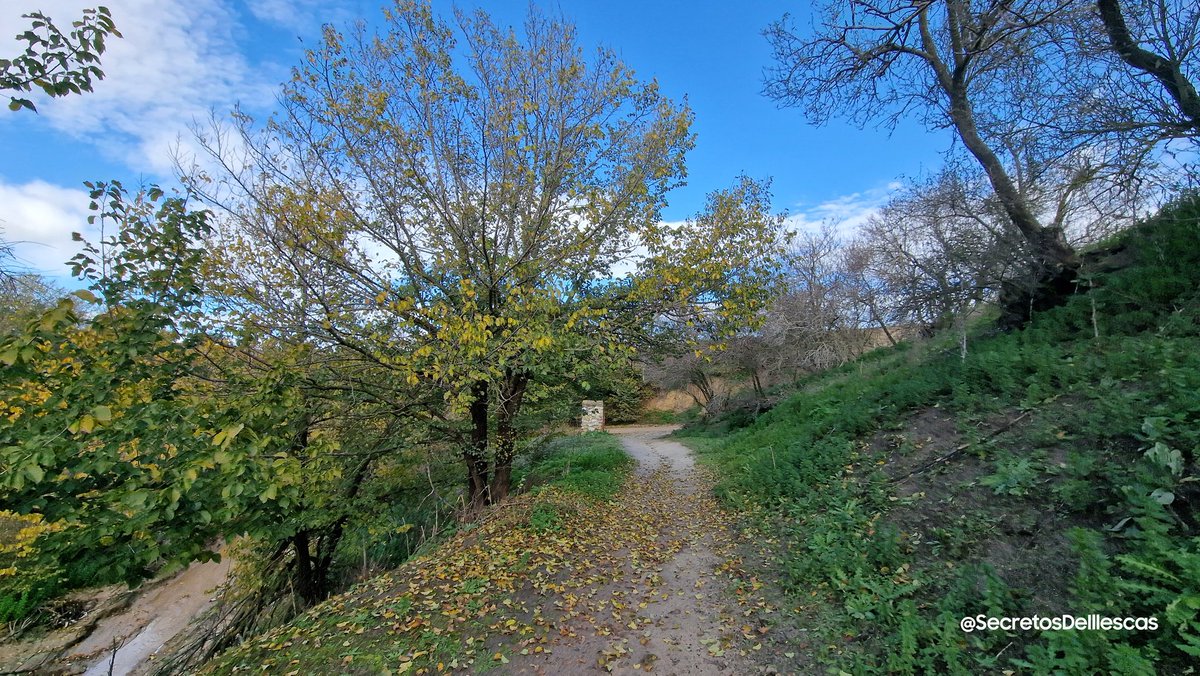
pixel 1052 470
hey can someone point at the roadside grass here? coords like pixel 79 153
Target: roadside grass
pixel 655 417
pixel 1051 471
pixel 592 464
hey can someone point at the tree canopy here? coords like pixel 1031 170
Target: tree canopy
pixel 448 200
pixel 974 67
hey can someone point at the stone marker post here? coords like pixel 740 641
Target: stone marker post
pixel 593 416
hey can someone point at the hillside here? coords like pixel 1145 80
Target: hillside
pixel 1051 471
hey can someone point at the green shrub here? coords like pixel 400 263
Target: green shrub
pixel 1014 476
pixel 545 517
pixel 593 464
pixel 25 581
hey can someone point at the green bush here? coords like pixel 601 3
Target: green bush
pixel 25 580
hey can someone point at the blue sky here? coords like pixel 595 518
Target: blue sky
pixel 182 58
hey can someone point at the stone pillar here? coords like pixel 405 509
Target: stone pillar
pixel 593 416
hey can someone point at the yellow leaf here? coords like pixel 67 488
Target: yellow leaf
pixel 88 296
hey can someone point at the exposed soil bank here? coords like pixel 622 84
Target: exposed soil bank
pixel 154 618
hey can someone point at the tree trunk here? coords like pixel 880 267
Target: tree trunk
pixel 1055 264
pixel 475 456
pixel 511 395
pixel 306 583
pixel 327 544
pixel 1049 244
pixel 700 381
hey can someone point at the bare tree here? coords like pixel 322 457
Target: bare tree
pixel 814 323
pixel 1161 44
pixel 750 357
pixel 1123 85
pixel 691 372
pixel 945 62
pixel 942 247
pixel 872 301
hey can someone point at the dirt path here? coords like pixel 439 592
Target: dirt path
pixel 673 611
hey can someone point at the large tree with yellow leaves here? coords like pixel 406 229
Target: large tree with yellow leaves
pixel 453 201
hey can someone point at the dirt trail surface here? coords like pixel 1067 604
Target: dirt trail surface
pixel 554 582
pixel 663 605
pixel 137 622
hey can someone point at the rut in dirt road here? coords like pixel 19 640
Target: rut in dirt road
pixel 660 603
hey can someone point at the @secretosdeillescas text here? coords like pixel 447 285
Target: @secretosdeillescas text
pixel 1092 622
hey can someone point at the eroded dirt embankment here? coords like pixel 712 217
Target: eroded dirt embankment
pixel 120 632
pixel 128 642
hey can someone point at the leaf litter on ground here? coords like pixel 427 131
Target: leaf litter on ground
pixel 508 591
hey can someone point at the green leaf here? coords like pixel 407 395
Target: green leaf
pixel 102 413
pixel 17 104
pixel 85 424
pixel 1166 457
pixel 1162 496
pixel 35 473
pixel 225 436
pixel 84 294
pixel 136 499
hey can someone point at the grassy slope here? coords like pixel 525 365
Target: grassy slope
pixel 913 488
pixel 448 607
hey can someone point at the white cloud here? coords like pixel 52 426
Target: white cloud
pixel 297 14
pixel 178 59
pixel 37 219
pixel 846 213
